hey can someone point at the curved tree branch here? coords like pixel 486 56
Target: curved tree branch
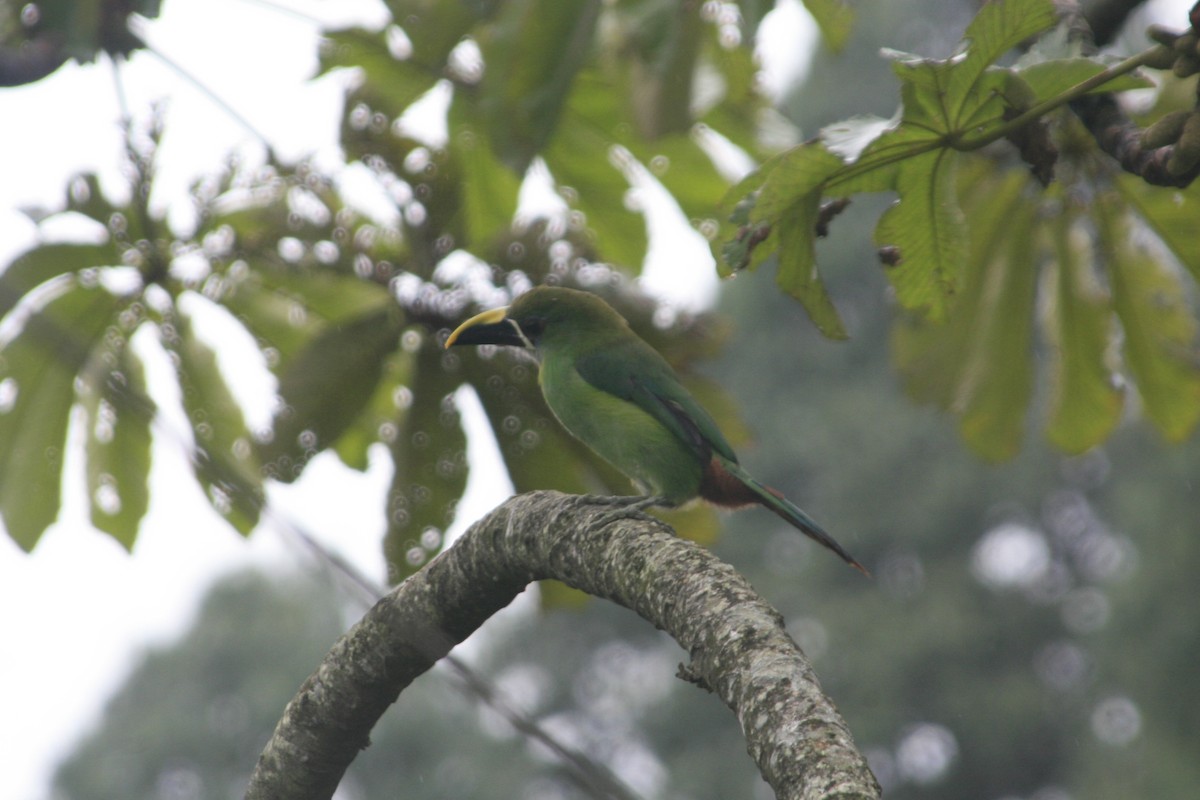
pixel 1096 24
pixel 737 643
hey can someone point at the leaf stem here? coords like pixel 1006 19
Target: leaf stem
pixel 968 143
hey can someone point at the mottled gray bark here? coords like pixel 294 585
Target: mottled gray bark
pixel 737 643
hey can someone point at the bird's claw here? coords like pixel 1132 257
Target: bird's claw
pixel 624 507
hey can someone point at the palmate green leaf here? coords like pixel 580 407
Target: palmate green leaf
pixel 532 50
pixel 999 26
pixel 788 202
pixel 597 190
pixel 1160 331
pixel 326 386
pixel 429 454
pixel 997 380
pixel 278 320
pixel 977 363
pixel 923 235
pixel 734 247
pixel 1173 214
pixel 118 415
pixel 328 296
pixel 391 84
pixel 38 370
pixel 663 44
pixel 1086 399
pixel 798 274
pixel 794 177
pixel 487 188
pixel 377 421
pixel 435 27
pixel 927 230
pixel 224 463
pixel 597 118
pixel 44 262
pixel 835 18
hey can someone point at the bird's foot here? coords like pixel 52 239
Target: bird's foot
pixel 623 507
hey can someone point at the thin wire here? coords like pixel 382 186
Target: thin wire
pixel 180 70
pixel 290 12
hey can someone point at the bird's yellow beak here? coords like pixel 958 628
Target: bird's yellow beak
pixel 496 315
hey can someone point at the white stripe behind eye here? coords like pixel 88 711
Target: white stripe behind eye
pixel 521 334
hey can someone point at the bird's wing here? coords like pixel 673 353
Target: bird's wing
pixel 636 373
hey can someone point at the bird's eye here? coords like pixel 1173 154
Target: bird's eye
pixel 533 327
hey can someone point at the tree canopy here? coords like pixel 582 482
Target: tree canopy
pixel 990 266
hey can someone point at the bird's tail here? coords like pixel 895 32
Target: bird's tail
pixel 794 515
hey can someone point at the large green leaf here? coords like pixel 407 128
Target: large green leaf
pixel 488 188
pixel 927 230
pixel 977 363
pixel 224 459
pixel 117 448
pixel 391 83
pixel 1173 214
pixel 788 204
pixel 278 320
pixel 429 454
pixel 532 50
pixel 377 421
pixel 997 378
pixel 597 190
pixel 797 273
pixel 664 42
pixel 997 28
pixel 326 386
pixel 1086 398
pixel 47 261
pixel 435 27
pixel 38 371
pixel 1160 331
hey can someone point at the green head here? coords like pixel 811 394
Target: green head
pixel 548 317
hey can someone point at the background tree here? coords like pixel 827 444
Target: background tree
pixel 308 296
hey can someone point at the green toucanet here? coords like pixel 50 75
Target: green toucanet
pixel 618 396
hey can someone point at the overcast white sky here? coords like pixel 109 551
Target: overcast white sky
pixel 77 612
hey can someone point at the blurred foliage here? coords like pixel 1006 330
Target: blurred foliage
pixel 38 38
pixel 349 310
